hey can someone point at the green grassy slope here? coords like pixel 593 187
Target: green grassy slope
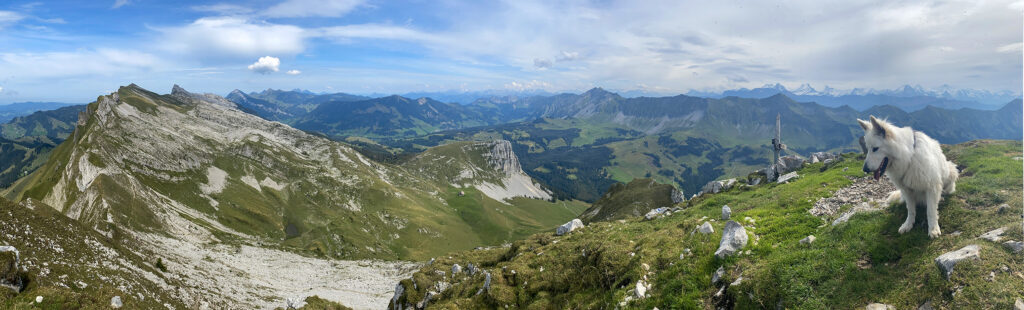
pixel 849 266
pixel 626 200
pixel 61 257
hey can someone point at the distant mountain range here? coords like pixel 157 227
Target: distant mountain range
pixel 10 111
pixel 908 98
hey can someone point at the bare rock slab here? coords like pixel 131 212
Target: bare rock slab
pixel 994 235
pixel 947 261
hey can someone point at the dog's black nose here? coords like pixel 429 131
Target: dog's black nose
pixel 866 170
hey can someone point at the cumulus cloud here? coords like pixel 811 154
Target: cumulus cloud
pixel 226 37
pixel 308 8
pixel 266 65
pixel 293 72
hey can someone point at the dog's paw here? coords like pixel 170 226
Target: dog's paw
pixel 906 227
pixel 934 232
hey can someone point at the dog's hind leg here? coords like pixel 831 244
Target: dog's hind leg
pixel 932 202
pixel 911 213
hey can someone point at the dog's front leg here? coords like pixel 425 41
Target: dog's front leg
pixel 909 199
pixel 932 201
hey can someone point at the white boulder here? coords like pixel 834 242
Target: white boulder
pixel 569 227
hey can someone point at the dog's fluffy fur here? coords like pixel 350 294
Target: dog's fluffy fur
pixel 914 163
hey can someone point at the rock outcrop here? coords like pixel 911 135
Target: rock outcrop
pixel 726 212
pixel 715 187
pixel 947 261
pixel 734 238
pixel 569 227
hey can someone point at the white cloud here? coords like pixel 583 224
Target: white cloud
pixel 223 8
pixel 120 3
pixel 567 56
pixel 293 72
pixel 373 31
pixel 8 18
pixel 308 8
pixel 98 62
pixel 229 37
pixel 1011 48
pixel 265 65
pixel 1 89
pixel 528 85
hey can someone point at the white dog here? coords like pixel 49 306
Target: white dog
pixel 914 163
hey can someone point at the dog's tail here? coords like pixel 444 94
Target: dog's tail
pixel 894 197
pixel 949 184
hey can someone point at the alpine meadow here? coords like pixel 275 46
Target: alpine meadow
pixel 566 154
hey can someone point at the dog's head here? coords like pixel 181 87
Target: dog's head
pixel 878 140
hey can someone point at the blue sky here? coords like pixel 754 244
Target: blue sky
pixel 73 51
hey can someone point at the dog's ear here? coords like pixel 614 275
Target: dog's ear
pixel 880 127
pixel 864 124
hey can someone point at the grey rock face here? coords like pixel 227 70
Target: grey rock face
pixel 9 267
pixel 734 238
pixel 1018 305
pixel 569 227
pixel 456 269
pixel 502 158
pixel 678 196
pixel 947 261
pixel 726 212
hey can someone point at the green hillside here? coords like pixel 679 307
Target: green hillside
pixel 850 265
pixel 187 165
pixel 633 199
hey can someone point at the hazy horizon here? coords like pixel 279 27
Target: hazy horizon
pixel 71 51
